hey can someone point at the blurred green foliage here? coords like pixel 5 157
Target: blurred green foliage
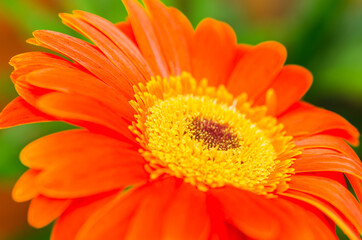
pixel 323 35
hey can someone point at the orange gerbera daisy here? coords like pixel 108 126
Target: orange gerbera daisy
pixel 211 135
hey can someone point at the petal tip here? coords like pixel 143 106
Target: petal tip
pixel 64 15
pixel 33 41
pixel 274 45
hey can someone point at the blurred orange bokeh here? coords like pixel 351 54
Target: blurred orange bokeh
pixel 12 214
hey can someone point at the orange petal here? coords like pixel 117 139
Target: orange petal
pixel 173 43
pixel 186 216
pixel 248 213
pixel 128 47
pixel 55 79
pixel 129 70
pixel 28 92
pixel 302 221
pixel 27 62
pixel 336 176
pixel 82 110
pixel 71 221
pixel 55 148
pixel 24 70
pixel 316 151
pixel 338 218
pixel 332 192
pixel 234 233
pixel 114 221
pixel 328 142
pixel 153 206
pixel 86 55
pixel 290 85
pixel 26 187
pixel 78 82
pixel 213 51
pixel 180 211
pixel 43 210
pixel 356 184
pixel 241 50
pixel 186 28
pixel 93 173
pixel 284 220
pixel 19 112
pixel 328 162
pixel 146 38
pixel 271 102
pixel 256 69
pixel 220 228
pixel 126 28
pixel 39 58
pixel 157 203
pixel 306 119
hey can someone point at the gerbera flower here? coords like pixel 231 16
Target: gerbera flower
pixel 211 135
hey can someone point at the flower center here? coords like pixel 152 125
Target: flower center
pixel 213 134
pixel 209 138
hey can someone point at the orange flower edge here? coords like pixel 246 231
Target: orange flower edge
pixel 211 135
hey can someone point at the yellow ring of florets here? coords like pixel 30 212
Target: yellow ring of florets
pixel 255 155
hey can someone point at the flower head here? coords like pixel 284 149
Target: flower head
pixel 210 135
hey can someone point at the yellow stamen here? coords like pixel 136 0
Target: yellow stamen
pixel 209 138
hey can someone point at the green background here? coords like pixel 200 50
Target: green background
pixel 323 35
